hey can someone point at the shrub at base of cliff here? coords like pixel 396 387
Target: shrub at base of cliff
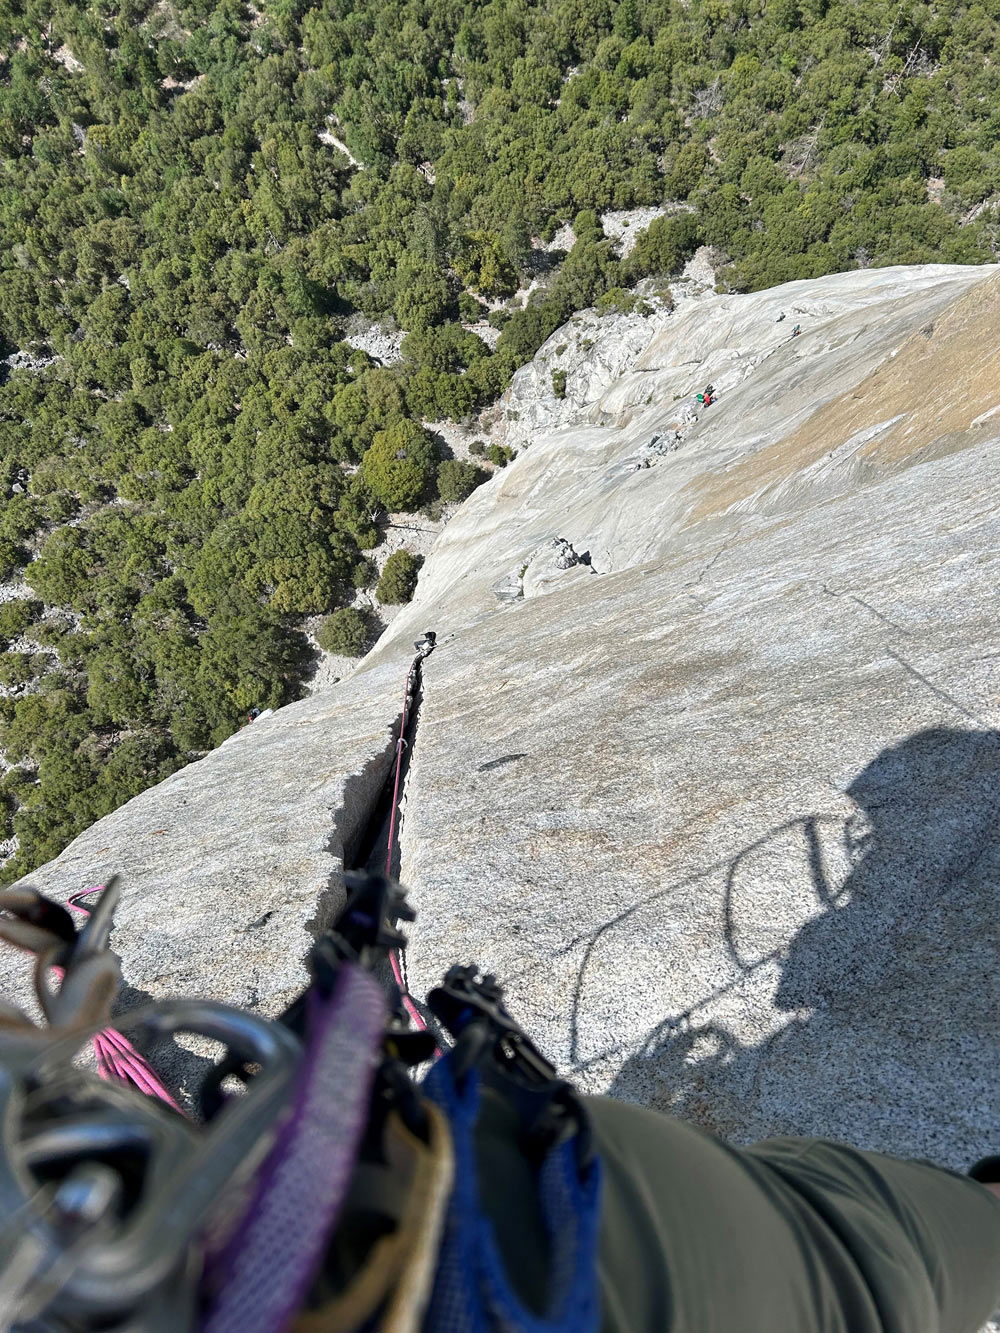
pixel 399 578
pixel 364 573
pixel 345 632
pixel 662 248
pixel 457 480
pixel 16 616
pixel 399 465
pixel 622 302
pixel 17 669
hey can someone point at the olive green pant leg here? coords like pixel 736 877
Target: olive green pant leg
pixel 698 1238
pixel 796 1235
pixel 926 1240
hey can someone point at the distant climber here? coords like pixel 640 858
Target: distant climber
pixel 797 330
pixel 780 318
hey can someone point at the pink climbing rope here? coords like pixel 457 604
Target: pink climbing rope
pixel 394 963
pixel 117 1059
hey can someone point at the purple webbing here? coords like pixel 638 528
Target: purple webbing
pixel 276 1250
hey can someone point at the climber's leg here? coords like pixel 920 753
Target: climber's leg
pixel 791 1234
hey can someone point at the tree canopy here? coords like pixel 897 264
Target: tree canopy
pixel 193 456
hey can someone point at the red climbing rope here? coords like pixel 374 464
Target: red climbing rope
pixel 400 747
pixel 117 1059
pixel 394 962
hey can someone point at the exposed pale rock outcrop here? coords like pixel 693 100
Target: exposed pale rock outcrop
pixel 721 807
pixel 543 568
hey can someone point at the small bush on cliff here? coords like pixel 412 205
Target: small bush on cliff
pixel 16 669
pixel 364 573
pixel 457 480
pixel 500 455
pixel 399 578
pixel 344 632
pixel 16 616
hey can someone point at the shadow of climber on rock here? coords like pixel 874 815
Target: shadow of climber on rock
pixel 882 1026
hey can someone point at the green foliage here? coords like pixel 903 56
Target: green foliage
pixel 16 616
pixel 469 309
pixel 16 669
pixel 7 808
pixel 623 302
pixel 399 578
pixel 364 573
pixel 500 455
pixel 664 246
pixel 559 383
pixel 399 464
pixel 457 480
pixel 346 631
pixel 477 448
pixel 177 236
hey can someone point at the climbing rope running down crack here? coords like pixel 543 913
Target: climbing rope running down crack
pixel 384 826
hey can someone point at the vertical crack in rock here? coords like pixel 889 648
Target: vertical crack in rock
pixel 360 833
pixel 360 837
pixel 353 820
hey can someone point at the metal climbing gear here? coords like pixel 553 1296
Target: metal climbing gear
pixel 109 1200
pixel 103 1191
pixel 328 1194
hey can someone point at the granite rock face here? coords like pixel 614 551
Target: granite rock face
pixel 541 570
pixel 719 806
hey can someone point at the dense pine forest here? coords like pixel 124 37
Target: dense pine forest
pixel 198 197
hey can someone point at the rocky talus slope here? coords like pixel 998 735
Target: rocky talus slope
pixel 719 800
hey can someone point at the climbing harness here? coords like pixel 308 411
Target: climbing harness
pixel 308 1183
pixel 315 1187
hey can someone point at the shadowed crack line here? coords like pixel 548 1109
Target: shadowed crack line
pixel 371 847
pixel 917 675
pixel 360 836
pixel 693 583
pixel 504 759
pixel 941 694
pixel 831 592
pixel 377 848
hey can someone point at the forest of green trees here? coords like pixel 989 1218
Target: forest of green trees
pixel 194 455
